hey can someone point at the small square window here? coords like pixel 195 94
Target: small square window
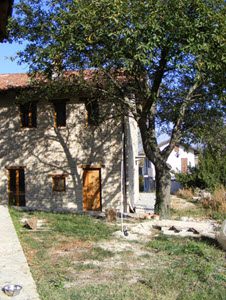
pixel 28 115
pixel 59 184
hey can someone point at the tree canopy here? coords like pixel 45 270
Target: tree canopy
pixel 171 52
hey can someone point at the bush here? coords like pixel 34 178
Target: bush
pixel 191 179
pixel 210 173
pixel 218 200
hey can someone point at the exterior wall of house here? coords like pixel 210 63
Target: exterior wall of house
pixel 46 150
pixel 175 158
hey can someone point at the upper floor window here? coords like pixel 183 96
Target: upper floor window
pixel 59 113
pixel 92 108
pixel 28 115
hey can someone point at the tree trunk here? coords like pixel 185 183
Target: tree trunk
pixel 163 185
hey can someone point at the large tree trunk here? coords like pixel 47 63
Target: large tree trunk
pixel 163 184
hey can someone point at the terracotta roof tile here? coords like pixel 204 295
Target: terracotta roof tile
pixel 22 80
pixel 11 81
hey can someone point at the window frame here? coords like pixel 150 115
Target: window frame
pixel 57 122
pixel 92 109
pixel 28 115
pixel 56 187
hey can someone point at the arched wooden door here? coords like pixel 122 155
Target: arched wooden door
pixel 92 189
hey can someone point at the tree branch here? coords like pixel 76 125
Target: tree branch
pixel 157 80
pixel 176 133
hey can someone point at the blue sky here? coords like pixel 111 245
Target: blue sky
pixel 8 50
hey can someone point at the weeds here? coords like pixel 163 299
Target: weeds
pixel 217 202
pixel 185 193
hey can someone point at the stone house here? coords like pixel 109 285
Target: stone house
pixel 54 154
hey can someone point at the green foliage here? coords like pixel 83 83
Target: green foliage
pixel 174 44
pixel 190 179
pixel 210 172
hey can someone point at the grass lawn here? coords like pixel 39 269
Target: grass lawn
pixel 80 258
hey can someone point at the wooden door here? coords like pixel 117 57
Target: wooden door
pixel 92 189
pixel 16 187
pixel 184 165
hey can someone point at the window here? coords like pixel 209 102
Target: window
pixel 92 108
pixel 59 184
pixel 59 113
pixel 184 165
pixel 16 186
pixel 28 115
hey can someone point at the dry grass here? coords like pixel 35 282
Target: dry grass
pixel 185 193
pixel 217 202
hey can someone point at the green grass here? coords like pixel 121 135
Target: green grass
pixel 100 254
pixel 80 226
pixel 52 273
pixel 195 270
pixel 68 263
pixel 112 291
pixel 198 212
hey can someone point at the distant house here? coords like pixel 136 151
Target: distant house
pixel 5 13
pixel 55 154
pixel 180 159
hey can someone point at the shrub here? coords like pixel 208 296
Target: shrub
pixel 211 170
pixel 218 200
pixel 192 179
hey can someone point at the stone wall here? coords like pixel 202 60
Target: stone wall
pixel 46 150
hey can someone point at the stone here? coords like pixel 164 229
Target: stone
pixel 206 195
pixel 221 237
pixel 111 215
pixel 31 223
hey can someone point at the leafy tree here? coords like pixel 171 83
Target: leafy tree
pixel 162 61
pixel 210 172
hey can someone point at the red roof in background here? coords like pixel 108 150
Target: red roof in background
pixel 9 81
